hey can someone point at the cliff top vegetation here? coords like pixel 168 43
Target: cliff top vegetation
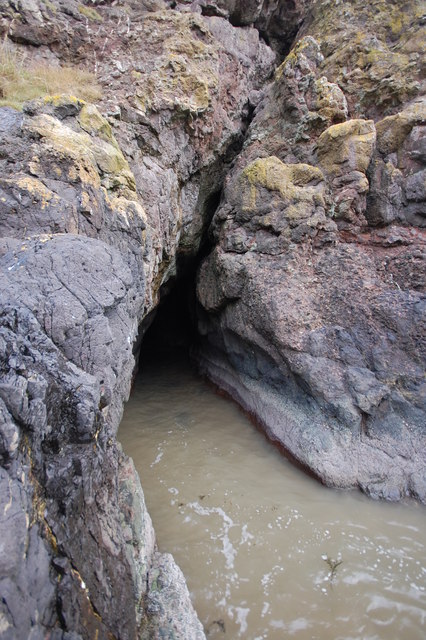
pixel 21 80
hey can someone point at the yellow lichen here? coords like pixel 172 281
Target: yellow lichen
pixel 331 103
pixel 305 48
pixel 63 99
pixel 392 131
pixel 40 194
pixel 347 146
pixel 93 122
pixel 91 157
pixel 90 13
pixel 293 182
pixel 186 68
pixel 367 49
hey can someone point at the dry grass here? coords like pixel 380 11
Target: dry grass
pixel 21 81
pixel 90 13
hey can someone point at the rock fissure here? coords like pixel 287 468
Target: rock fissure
pixel 253 177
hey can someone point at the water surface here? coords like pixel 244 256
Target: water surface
pixel 256 538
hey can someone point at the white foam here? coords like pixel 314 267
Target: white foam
pixel 157 459
pixel 242 618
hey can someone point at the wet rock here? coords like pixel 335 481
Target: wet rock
pixel 167 591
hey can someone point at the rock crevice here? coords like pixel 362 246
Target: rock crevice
pixel 296 170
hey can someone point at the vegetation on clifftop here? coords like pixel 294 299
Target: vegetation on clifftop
pixel 21 81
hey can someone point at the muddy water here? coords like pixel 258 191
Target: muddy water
pixel 267 552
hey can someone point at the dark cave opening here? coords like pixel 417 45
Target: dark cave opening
pixel 172 326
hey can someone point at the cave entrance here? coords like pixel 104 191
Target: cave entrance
pixel 173 324
pixel 171 328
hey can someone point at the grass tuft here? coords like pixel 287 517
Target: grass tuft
pixel 21 81
pixel 90 13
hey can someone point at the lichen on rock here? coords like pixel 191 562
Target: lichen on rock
pixel 307 189
pixel 347 146
pixel 295 183
pixel 186 64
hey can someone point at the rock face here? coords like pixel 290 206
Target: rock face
pixel 310 301
pixel 96 212
pixel 313 297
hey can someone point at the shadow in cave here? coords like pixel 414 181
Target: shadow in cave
pixel 172 326
pixel 170 330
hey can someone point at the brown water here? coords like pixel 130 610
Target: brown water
pixel 255 537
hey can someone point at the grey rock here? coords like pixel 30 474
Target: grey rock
pixel 322 342
pixel 167 592
pixel 415 188
pixel 311 304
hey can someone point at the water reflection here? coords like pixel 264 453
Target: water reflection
pixel 256 538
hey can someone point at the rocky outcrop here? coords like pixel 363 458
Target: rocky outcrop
pixel 311 302
pixel 96 213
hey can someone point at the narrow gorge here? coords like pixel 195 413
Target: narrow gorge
pixel 253 170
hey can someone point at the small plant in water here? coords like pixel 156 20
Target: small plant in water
pixel 333 564
pixel 216 626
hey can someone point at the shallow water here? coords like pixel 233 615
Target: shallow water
pixel 257 538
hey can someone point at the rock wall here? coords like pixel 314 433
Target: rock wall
pixel 98 206
pixel 310 301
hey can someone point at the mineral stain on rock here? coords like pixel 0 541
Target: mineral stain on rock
pixel 281 143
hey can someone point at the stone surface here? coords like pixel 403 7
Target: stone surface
pixel 99 207
pixel 299 157
pixel 312 301
pixel 167 591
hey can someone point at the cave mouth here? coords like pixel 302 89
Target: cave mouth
pixel 172 326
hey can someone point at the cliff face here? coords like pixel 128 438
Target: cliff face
pixel 310 301
pixel 314 292
pixel 97 206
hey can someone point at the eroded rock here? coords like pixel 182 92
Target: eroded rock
pixel 323 338
pixel 311 301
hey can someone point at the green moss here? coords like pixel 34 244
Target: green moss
pixel 90 13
